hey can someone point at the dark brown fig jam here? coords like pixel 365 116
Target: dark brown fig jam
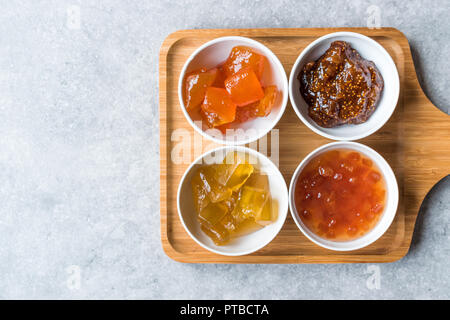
pixel 340 87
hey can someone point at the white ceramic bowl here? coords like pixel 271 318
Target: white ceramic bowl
pixel 370 50
pixel 386 217
pixel 215 52
pixel 241 245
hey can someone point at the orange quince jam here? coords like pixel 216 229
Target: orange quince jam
pixel 218 108
pixel 265 104
pixel 242 57
pixel 195 86
pixel 259 108
pixel 340 195
pixel 239 81
pixel 244 87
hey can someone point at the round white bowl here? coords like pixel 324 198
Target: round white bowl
pixel 388 212
pixel 215 52
pixel 370 50
pixel 241 245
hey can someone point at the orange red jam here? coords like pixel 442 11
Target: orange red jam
pixel 232 92
pixel 340 195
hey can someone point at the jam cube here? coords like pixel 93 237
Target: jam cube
pixel 244 87
pixel 242 228
pixel 269 213
pixel 214 190
pixel 228 222
pixel 234 175
pixel 239 176
pixel 265 216
pixel 259 108
pixel 246 227
pixel 222 172
pixel 218 234
pixel 258 180
pixel 265 104
pixel 246 113
pixel 217 107
pixel 242 57
pixel 239 169
pixel 213 213
pixel 251 202
pixel 195 86
pixel 230 202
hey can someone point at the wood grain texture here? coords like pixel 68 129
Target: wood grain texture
pixel 414 141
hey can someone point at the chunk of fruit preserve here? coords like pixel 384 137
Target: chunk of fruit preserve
pixel 217 233
pixel 269 212
pixel 215 191
pixel 245 227
pixel 232 176
pixel 217 107
pixel 213 213
pixel 239 176
pixel 240 170
pixel 242 57
pixel 244 87
pixel 195 86
pixel 246 113
pixel 264 106
pixel 250 203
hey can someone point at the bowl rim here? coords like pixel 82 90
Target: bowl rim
pixel 281 215
pixel 277 65
pixel 389 61
pixel 388 217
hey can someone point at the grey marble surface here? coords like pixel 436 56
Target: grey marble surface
pixel 79 154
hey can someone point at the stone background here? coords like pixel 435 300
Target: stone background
pixel 79 153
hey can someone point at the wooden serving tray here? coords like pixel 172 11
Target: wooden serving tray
pixel 414 141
